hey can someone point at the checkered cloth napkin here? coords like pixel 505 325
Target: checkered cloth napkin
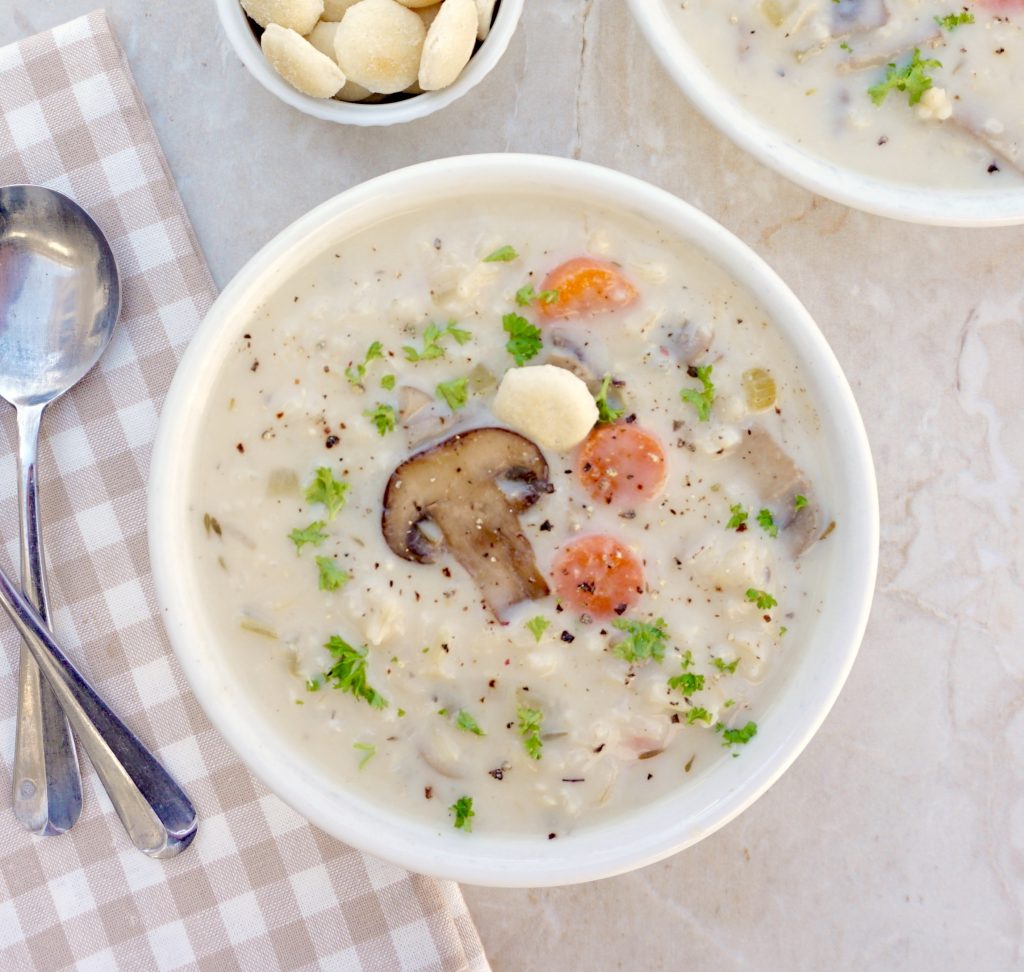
pixel 259 888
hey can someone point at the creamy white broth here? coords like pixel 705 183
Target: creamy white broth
pixel 805 67
pixel 282 408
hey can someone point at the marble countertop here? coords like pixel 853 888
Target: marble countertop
pixel 896 841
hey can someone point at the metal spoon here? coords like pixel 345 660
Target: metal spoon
pixel 59 302
pixel 154 810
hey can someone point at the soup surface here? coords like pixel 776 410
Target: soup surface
pixel 915 91
pixel 443 581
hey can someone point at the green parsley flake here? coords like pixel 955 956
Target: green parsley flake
pixel 954 20
pixel 723 666
pixel 524 340
pixel 687 682
pixel 762 599
pixel 767 522
pixel 313 534
pixel 782 631
pixel 537 626
pixel 331 575
pixel 504 254
pixel 529 729
pixel 704 399
pixel 329 491
pixel 741 737
pixel 465 721
pixel 348 673
pixel 912 78
pixel 387 382
pixel 463 811
pixel 606 414
pixel 356 372
pixel 799 502
pixel 846 47
pixel 368 750
pixel 454 392
pixel 697 714
pixel 432 337
pixel 738 518
pixel 642 640
pixel 383 416
pixel 527 295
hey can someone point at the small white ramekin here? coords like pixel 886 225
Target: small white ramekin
pixel 239 32
pixel 817 666
pixel 914 204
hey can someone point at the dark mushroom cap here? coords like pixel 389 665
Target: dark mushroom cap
pixel 470 488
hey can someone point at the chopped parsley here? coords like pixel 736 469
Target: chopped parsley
pixel 846 47
pixel 701 400
pixel 529 729
pixel 740 737
pixel 527 295
pixel 465 721
pixel 686 682
pixel 954 20
pixel 356 372
pixel 738 518
pixel 642 640
pixel 782 631
pixel 331 575
pixel 697 714
pixel 504 254
pixel 723 666
pixel 762 599
pixel 537 626
pixel 605 412
pixel 387 382
pixel 912 78
pixel 463 811
pixel 383 416
pixel 313 534
pixel 432 337
pixel 524 340
pixel 327 490
pixel 767 522
pixel 799 502
pixel 454 392
pixel 368 750
pixel 348 673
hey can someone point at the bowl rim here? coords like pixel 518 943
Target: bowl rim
pixel 912 204
pixel 235 25
pixel 624 843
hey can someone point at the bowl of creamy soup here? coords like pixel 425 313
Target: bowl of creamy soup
pixel 906 108
pixel 512 520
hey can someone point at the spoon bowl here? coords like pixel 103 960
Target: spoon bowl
pixel 59 294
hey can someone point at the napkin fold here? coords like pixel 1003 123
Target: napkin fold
pixel 260 888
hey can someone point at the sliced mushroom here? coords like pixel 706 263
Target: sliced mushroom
pixel 456 487
pixel 421 416
pixel 691 341
pixel 780 481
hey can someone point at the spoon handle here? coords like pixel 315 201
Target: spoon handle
pixel 155 811
pixel 47 784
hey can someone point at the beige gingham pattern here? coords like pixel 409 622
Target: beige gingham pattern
pixel 259 888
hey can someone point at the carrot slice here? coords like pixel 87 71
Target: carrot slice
pixel 585 287
pixel 598 575
pixel 622 464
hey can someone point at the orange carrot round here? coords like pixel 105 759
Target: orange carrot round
pixel 586 286
pixel 598 575
pixel 622 464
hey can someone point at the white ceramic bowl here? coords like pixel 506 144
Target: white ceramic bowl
pixel 236 26
pixel 790 716
pixel 940 207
